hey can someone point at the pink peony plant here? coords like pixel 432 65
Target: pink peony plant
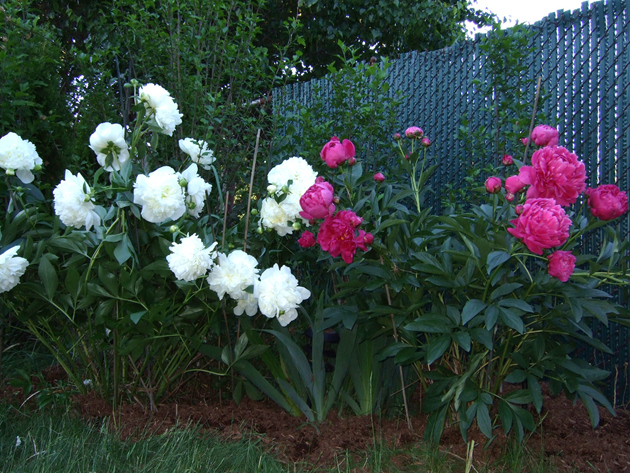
pixel 337 235
pixel 542 225
pixel 317 201
pixel 555 173
pixel 414 132
pixel 607 202
pixel 561 265
pixel 335 153
pixel 545 135
pixel 307 240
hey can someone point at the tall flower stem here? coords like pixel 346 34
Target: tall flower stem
pixel 251 187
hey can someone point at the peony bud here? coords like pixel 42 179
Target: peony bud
pixel 509 197
pixel 397 136
pixel 493 185
pixel 296 225
pixel 352 161
pixel 271 188
pixel 37 167
pixel 173 229
pixel 519 209
pixel 285 189
pixel 379 177
pixel 183 182
pixel 259 230
pixel 426 142
pixel 254 212
pixel 507 160
pixel 414 132
pixel 10 172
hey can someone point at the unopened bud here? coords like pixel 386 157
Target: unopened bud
pixel 10 172
pixel 191 205
pixel 259 230
pixel 37 167
pixel 271 189
pixel 285 189
pixel 173 229
pixel 509 197
pixel 230 246
pixel 352 161
pixel 296 225
pixel 183 182
pixel 397 136
pixel 254 211
pixel 336 199
pixel 519 209
pixel 426 142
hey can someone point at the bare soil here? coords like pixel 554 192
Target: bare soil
pixel 565 435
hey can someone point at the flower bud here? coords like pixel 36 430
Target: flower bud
pixel 37 167
pixel 173 229
pixel 352 161
pixel 379 177
pixel 19 189
pixel 336 199
pixel 507 160
pixel 183 182
pixel 519 209
pixel 230 246
pixel 407 156
pixel 397 136
pixel 271 188
pixel 254 212
pixel 509 197
pixel 296 225
pixel 493 185
pixel 285 189
pixel 10 172
pixel 259 230
pixel 426 142
pixel 191 205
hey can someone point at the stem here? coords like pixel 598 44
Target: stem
pixel 531 125
pixel 249 197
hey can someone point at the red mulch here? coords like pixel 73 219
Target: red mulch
pixel 565 435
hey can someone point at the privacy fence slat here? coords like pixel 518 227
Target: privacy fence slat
pixel 583 58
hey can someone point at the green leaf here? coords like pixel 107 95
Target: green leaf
pixel 512 320
pixel 136 316
pixel 536 392
pixel 483 420
pixel 472 308
pixel 430 323
pixel 516 304
pixel 122 252
pixel 495 259
pixel 505 415
pixel 297 357
pixel 503 290
pixel 73 283
pixel 48 276
pixel 462 339
pixel 437 347
pixel 492 315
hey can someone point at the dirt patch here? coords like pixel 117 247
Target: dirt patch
pixel 565 435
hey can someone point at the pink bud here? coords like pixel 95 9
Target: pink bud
pixel 493 185
pixel 414 132
pixel 507 160
pixel 397 136
pixel 426 142
pixel 379 177
pixel 369 238
pixel 524 141
pixel 407 156
pixel 352 161
pixel 519 209
pixel 509 197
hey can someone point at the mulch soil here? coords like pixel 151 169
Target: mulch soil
pixel 565 435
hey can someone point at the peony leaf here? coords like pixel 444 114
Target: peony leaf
pixel 472 308
pixel 495 259
pixel 48 275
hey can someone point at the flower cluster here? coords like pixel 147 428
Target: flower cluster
pixel 288 182
pixel 166 194
pixel 556 178
pixel 275 292
pixel 18 157
pixel 338 233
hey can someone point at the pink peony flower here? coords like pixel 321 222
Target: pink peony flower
pixel 317 201
pixel 307 240
pixel 337 235
pixel 607 202
pixel 493 185
pixel 379 177
pixel 555 173
pixel 335 152
pixel 513 184
pixel 414 132
pixel 543 224
pixel 507 160
pixel 561 265
pixel 545 135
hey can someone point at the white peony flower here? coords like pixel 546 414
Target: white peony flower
pixel 73 203
pixel 232 275
pixel 197 189
pixel 11 269
pixel 279 295
pixel 190 259
pixel 198 151
pixel 277 216
pixel 107 139
pixel 160 105
pixel 160 195
pixel 294 175
pixel 18 155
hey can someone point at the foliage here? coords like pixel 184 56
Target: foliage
pixel 383 28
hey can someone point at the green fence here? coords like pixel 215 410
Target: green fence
pixel 583 59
